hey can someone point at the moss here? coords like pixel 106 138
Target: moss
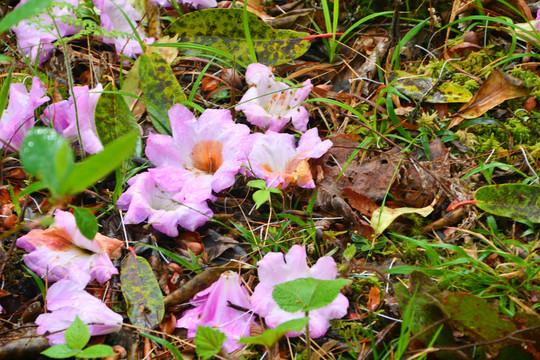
pixel 530 80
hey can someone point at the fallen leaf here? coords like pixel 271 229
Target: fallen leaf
pixel 497 88
pixel 374 298
pixel 380 220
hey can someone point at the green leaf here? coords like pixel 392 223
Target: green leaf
pixel 475 317
pixel 349 252
pixel 5 91
pixel 307 294
pixel 257 184
pixel 25 11
pixel 38 148
pixel 86 222
pixel 271 336
pixel 96 351
pixel 417 86
pixel 165 343
pixel 61 351
pixel 260 197
pixel 161 88
pixel 145 307
pixel 223 29
pixel 99 165
pixel 516 201
pixel 114 118
pixel 208 341
pixel 77 334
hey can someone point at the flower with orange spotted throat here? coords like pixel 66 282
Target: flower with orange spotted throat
pixel 276 159
pixel 271 104
pixel 202 155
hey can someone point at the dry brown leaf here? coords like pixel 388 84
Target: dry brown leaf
pixel 360 202
pixel 497 88
pixel 374 298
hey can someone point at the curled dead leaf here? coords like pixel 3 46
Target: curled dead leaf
pixel 374 299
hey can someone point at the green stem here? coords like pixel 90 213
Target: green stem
pixel 308 339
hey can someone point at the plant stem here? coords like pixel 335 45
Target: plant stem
pixel 308 339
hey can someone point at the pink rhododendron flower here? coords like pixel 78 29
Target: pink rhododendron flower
pixel 112 19
pixel 207 153
pixel 274 269
pixel 156 196
pixel 275 158
pixel 62 250
pixel 213 310
pixel 18 117
pixel 271 104
pixel 197 4
pixel 63 117
pixel 41 31
pixel 65 300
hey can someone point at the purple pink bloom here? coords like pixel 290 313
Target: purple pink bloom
pixel 18 117
pixel 275 158
pixel 61 251
pixel 64 117
pixel 39 34
pixel 274 269
pixel 197 4
pixel 206 154
pixel 212 309
pixel 67 299
pixel 155 195
pixel 271 104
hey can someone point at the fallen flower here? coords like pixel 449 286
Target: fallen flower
pixel 213 310
pixel 112 19
pixel 18 118
pixel 156 196
pixel 64 117
pixel 39 33
pixel 271 104
pixel 61 251
pixel 207 153
pixel 274 269
pixel 275 158
pixel 197 4
pixel 67 299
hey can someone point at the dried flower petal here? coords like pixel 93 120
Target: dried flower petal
pixel 67 299
pixel 271 104
pixel 213 310
pixel 275 158
pixel 62 251
pixel 274 268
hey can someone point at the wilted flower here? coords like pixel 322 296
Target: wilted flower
pixel 67 299
pixel 213 310
pixel 155 195
pixel 62 250
pixel 271 104
pixel 64 117
pixel 112 19
pixel 207 153
pixel 275 158
pixel 274 269
pixel 19 115
pixel 40 30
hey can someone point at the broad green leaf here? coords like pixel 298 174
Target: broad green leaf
pixel 516 201
pixel 61 351
pixel 86 222
pixel 77 334
pixel 96 351
pixel 476 318
pixel 417 86
pixel 141 291
pixel 260 197
pixel 173 349
pixel 223 29
pixel 258 184
pixel 25 11
pixel 307 294
pixel 161 88
pixel 380 221
pixel 113 117
pixel 97 166
pixel 208 341
pixel 38 148
pixel 271 336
